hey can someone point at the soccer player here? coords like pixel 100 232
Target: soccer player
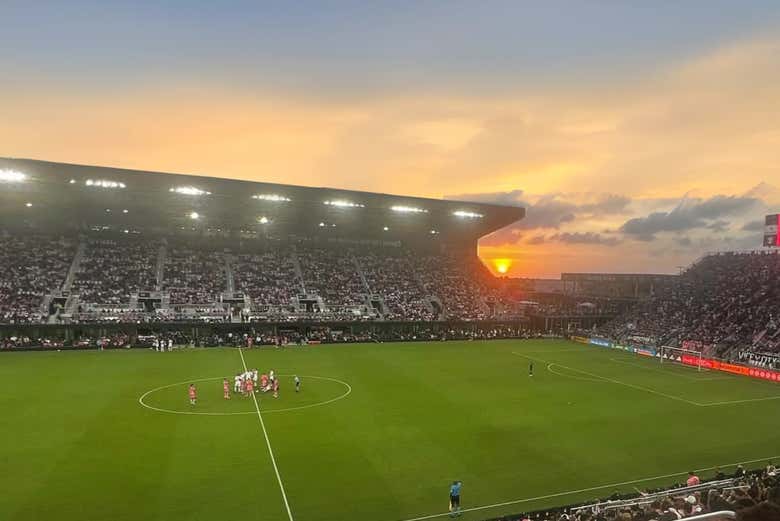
pixel 226 389
pixel 276 388
pixel 531 369
pixel 271 375
pixel 264 382
pixel 193 393
pixel 249 387
pixel 455 498
pixel 297 383
pixel 254 379
pixel 237 383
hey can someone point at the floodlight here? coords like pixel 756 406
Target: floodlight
pixel 467 214
pixel 434 232
pixel 12 176
pixel 385 228
pixel 263 220
pixel 341 203
pixel 408 209
pixel 322 225
pixel 104 183
pixel 194 216
pixel 28 205
pixel 188 190
pixel 272 197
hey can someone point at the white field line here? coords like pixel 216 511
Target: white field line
pixel 672 373
pixel 583 378
pixel 747 400
pixel 653 391
pixel 582 490
pixel 197 413
pixel 638 387
pixel 268 444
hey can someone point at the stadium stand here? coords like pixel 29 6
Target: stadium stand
pixel 111 271
pixel 741 495
pixel 32 267
pixel 726 305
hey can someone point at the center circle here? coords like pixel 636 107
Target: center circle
pixel 316 391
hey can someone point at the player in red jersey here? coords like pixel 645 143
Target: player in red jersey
pixel 249 386
pixel 226 388
pixel 276 388
pixel 264 382
pixel 193 393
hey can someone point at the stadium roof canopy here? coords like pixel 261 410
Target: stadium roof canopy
pixel 59 194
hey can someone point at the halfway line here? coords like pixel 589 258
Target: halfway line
pixel 268 443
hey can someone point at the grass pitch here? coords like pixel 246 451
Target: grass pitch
pixel 378 431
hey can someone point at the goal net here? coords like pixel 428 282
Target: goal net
pixel 676 355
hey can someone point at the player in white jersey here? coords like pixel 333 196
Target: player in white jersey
pixel 271 375
pixel 237 384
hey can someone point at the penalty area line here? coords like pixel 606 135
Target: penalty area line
pixel 582 490
pixel 268 444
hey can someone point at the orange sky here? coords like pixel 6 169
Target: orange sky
pixel 685 130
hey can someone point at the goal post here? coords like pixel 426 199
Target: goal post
pixel 677 355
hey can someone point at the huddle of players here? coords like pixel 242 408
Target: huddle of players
pixel 247 382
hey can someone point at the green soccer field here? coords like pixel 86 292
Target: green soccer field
pixel 377 433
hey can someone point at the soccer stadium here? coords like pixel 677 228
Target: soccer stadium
pixel 213 345
pixel 389 261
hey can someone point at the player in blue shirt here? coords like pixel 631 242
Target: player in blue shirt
pixel 455 498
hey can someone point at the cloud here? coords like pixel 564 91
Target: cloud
pixel 753 226
pixel 536 240
pixel 688 215
pixel 585 238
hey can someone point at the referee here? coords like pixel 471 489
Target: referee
pixel 455 498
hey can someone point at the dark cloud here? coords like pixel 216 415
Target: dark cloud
pixel 585 238
pixel 551 210
pixel 719 226
pixel 688 215
pixel 536 239
pixel 684 241
pixel 753 226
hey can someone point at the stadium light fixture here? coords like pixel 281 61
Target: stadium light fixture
pixel 408 209
pixel 322 225
pixel 72 181
pixel 104 183
pixel 467 215
pixel 194 216
pixel 124 211
pixel 12 176
pixel 189 190
pixel 272 197
pixel 341 203
pixel 28 205
pixel 108 210
pixel 434 232
pixel 385 228
pixel 263 220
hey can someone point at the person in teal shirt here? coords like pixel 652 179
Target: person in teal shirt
pixel 455 498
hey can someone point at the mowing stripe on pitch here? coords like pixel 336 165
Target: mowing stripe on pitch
pixel 268 444
pixel 589 489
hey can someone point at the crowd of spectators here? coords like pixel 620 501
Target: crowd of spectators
pixel 391 284
pixel 32 267
pixel 394 279
pixel 726 301
pixel 194 276
pixel 333 276
pixel 268 278
pixel 110 271
pixel 753 496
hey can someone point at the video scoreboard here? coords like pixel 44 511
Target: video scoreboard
pixel 771 236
